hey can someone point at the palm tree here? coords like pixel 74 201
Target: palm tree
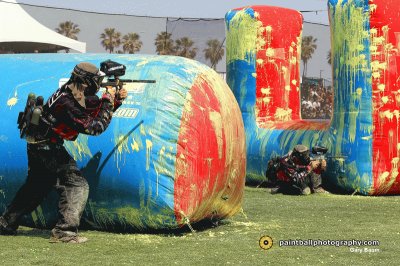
pixel 68 29
pixel 214 52
pixel 164 44
pixel 131 43
pixel 329 57
pixel 111 39
pixel 183 47
pixel 308 47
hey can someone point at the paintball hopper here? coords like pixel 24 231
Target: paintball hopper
pixel 116 70
pixel 319 150
pixel 111 68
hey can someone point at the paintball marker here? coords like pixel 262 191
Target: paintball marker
pixel 114 71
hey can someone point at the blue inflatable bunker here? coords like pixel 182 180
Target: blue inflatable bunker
pixel 173 154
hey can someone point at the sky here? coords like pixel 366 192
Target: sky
pixel 92 25
pixel 185 8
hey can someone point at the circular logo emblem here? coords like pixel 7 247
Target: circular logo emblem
pixel 266 242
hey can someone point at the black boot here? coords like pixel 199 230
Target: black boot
pixel 60 236
pixel 5 229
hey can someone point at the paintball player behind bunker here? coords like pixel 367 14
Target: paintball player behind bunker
pixel 72 109
pixel 297 172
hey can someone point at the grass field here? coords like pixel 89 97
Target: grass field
pixel 236 240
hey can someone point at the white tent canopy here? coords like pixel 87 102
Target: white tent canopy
pixel 19 32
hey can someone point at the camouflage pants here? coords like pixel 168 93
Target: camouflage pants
pixel 50 166
pixel 311 180
pixel 315 180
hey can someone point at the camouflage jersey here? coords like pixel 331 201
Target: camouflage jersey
pixel 66 117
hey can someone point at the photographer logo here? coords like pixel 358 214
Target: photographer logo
pixel 266 242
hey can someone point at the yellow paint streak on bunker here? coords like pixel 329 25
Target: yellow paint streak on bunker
pixel 79 148
pixel 242 37
pixel 149 147
pixel 216 121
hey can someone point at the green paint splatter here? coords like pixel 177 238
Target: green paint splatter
pixel 241 44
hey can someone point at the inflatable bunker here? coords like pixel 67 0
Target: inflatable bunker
pixel 173 154
pixel 263 57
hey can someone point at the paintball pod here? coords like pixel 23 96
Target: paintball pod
pixel 28 120
pixel 114 71
pixel 318 153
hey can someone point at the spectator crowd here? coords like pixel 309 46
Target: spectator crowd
pixel 316 101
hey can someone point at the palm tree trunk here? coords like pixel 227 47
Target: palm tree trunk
pixel 306 68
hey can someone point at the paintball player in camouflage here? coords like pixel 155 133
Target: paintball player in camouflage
pixel 72 109
pixel 296 171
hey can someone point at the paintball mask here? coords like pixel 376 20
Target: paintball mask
pixel 89 75
pixel 301 154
